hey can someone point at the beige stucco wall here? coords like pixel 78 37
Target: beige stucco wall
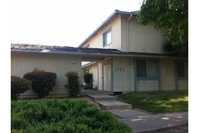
pixel 130 36
pixel 60 64
pixel 182 84
pixel 123 74
pixel 97 40
pixel 167 74
pixel 124 78
pixel 140 38
pixel 147 85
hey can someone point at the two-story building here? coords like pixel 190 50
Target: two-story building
pixel 124 56
pixel 149 68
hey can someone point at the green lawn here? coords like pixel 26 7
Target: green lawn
pixel 158 102
pixel 62 116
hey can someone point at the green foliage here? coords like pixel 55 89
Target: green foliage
pixel 59 116
pixel 88 79
pixel 73 84
pixel 36 69
pixel 42 82
pixel 172 16
pixel 19 86
pixel 158 102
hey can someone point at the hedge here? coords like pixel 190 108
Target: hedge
pixel 62 116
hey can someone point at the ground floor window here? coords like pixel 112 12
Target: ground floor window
pixel 147 68
pixel 182 69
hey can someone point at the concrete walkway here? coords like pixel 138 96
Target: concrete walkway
pixel 139 121
pixel 144 122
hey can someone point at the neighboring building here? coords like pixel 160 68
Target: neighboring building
pixel 150 70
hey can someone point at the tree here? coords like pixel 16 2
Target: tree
pixel 172 16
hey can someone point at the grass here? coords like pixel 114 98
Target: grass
pixel 158 102
pixel 62 116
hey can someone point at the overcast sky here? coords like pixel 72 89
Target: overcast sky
pixel 61 22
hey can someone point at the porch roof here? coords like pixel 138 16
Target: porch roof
pixel 84 52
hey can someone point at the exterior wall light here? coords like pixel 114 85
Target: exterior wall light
pixel 74 61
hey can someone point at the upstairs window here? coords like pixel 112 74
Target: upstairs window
pixel 107 37
pixel 147 69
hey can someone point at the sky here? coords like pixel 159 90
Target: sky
pixel 61 22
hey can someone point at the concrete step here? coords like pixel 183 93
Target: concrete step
pixel 102 97
pixel 112 105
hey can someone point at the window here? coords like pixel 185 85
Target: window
pixel 141 68
pixel 182 68
pixel 147 69
pixel 107 37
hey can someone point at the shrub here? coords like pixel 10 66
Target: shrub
pixel 19 86
pixel 73 84
pixel 42 82
pixel 36 69
pixel 62 116
pixel 88 79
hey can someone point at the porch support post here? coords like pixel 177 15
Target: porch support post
pixel 112 81
pixel 135 75
pixel 175 73
pixel 159 80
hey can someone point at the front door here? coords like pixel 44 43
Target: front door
pixel 107 75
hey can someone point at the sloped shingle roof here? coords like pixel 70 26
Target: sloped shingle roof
pixel 50 49
pixel 92 52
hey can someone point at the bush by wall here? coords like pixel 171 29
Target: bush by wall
pixel 19 86
pixel 88 79
pixel 42 82
pixel 73 84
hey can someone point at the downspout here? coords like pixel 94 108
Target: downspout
pixel 135 75
pixel 159 76
pixel 127 48
pixel 176 77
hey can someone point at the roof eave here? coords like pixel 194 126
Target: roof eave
pixel 112 16
pixel 84 54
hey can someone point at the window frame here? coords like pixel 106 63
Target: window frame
pixel 147 77
pixel 105 36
